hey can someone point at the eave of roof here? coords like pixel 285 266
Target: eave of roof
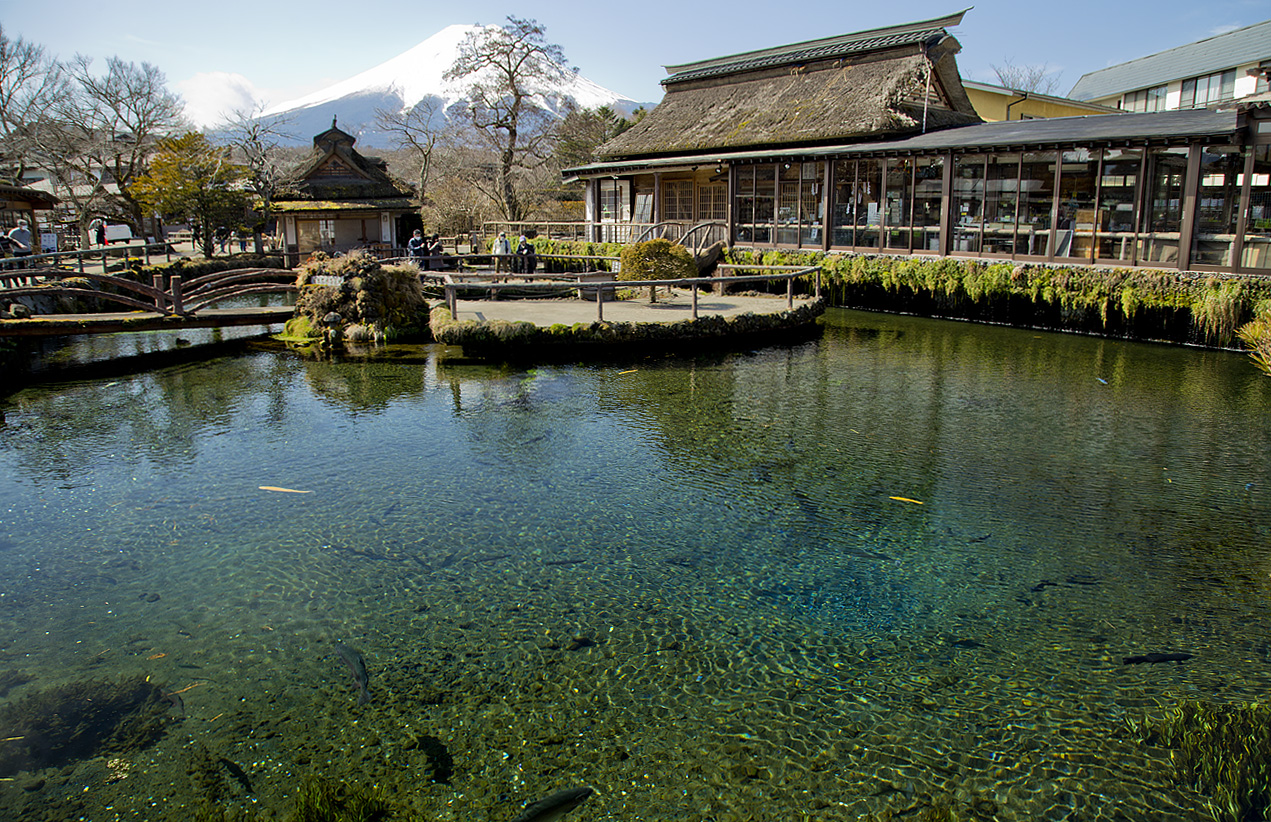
pixel 1157 128
pixel 1038 96
pixel 826 48
pixel 32 195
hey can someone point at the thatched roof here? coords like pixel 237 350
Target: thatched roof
pixel 336 171
pixel 848 87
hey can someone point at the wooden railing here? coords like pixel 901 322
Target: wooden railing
pixel 173 298
pixel 79 260
pixel 589 283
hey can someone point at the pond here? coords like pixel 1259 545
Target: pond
pixel 894 572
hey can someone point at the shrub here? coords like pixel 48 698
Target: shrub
pixel 656 260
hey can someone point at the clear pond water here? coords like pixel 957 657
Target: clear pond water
pixel 891 572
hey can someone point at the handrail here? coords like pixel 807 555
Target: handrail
pixel 705 234
pixel 789 273
pixel 645 235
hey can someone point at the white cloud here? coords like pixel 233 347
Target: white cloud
pixel 211 98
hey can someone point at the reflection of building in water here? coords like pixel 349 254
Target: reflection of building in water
pixel 343 200
pixel 868 142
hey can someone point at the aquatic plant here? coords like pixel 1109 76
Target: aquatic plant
pixel 1224 751
pixel 1256 335
pixel 322 800
pixel 57 725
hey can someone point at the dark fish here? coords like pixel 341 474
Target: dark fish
pixel 555 806
pixel 1155 657
pixel 1043 585
pixel 357 667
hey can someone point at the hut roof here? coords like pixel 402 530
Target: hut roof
pixel 847 87
pixel 334 170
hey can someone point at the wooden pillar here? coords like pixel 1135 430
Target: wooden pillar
pixel 946 207
pixel 1191 189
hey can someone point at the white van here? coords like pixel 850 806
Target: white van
pixel 118 233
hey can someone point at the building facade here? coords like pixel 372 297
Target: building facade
pixel 1217 70
pixel 342 201
pixel 1186 189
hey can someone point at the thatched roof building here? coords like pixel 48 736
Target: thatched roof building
pixel 341 200
pixel 882 82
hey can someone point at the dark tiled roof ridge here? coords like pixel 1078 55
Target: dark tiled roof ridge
pixel 824 48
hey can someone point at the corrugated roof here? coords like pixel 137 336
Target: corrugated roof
pixel 1250 44
pixel 827 48
pixel 1160 127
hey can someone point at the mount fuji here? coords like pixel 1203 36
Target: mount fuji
pixel 413 77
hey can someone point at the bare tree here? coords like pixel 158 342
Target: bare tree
pixel 103 131
pixel 30 82
pixel 507 68
pixel 1026 78
pixel 419 130
pixel 258 142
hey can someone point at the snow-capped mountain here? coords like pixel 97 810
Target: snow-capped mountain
pixel 412 77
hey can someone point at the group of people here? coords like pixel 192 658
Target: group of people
pixel 523 261
pixel 426 251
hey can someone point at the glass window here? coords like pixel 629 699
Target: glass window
pixel 712 202
pixel 869 188
pixel 928 202
pixel 1148 99
pixel 1074 230
pixel 1118 193
pixel 968 202
pixel 1217 205
pixel 842 206
pixel 811 204
pixel 1257 250
pixel 1036 199
pixel 898 211
pixel 1201 91
pixel 788 204
pixel 677 200
pixel 765 201
pixel 1159 228
pixel 1001 202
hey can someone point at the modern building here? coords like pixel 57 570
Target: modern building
pixel 1217 70
pixel 342 201
pixel 868 143
pixel 995 103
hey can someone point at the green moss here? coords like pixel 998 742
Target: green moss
pixel 321 800
pixel 1080 297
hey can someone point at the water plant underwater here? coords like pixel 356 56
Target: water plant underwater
pixel 57 725
pixel 1224 751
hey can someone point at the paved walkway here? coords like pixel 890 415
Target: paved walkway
pixel 667 309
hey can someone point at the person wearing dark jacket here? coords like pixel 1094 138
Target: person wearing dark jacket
pixel 528 258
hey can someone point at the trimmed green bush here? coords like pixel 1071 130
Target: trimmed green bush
pixel 656 260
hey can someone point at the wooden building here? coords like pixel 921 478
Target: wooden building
pixel 342 201
pixel 19 202
pixel 868 143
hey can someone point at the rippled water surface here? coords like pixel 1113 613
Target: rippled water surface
pixel 886 574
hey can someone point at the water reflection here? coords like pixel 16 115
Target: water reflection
pixel 890 571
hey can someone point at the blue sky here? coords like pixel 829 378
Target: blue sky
pixel 214 52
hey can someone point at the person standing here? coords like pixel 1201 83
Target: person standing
pixel 502 249
pixel 527 261
pixel 415 248
pixel 20 241
pixel 98 227
pixel 436 254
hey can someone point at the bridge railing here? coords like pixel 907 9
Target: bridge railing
pixel 173 298
pixel 80 260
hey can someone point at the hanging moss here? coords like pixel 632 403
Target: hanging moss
pixel 371 301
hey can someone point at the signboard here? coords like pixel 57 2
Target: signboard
pixel 48 242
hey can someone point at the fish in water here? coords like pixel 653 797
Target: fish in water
pixel 358 668
pixel 1155 657
pixel 555 806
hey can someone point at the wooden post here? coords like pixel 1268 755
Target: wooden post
pixel 175 283
pixel 79 255
pixel 818 283
pixel 157 280
pixel 790 293
pixel 694 290
pixel 600 304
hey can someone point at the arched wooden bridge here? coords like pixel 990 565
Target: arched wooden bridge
pixel 176 303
